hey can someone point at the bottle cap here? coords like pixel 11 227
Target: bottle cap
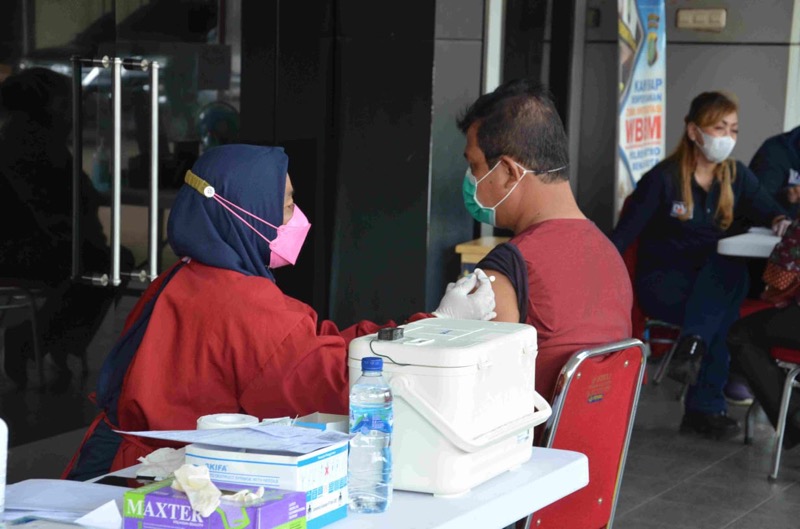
pixel 371 363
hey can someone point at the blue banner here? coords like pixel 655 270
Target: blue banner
pixel 642 92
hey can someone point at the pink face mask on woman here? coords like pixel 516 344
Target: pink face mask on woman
pixel 286 245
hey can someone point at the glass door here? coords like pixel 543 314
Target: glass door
pixel 196 44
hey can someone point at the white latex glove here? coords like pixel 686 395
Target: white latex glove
pixel 245 496
pixel 461 303
pixel 161 463
pixel 195 482
pixel 781 226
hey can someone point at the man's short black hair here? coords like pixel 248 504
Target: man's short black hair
pixel 519 120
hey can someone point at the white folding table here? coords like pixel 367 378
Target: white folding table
pixel 548 476
pixel 758 242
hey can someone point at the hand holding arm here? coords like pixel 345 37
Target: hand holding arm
pixel 463 301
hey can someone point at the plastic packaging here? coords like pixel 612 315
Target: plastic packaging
pixel 371 420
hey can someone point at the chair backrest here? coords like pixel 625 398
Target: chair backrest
pixel 593 410
pixel 629 257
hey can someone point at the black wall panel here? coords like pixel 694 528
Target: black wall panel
pixel 348 88
pixel 383 117
pixel 286 100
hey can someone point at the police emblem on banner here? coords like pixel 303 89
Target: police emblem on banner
pixel 678 209
pixel 794 177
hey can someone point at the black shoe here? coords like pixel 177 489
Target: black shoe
pixel 716 425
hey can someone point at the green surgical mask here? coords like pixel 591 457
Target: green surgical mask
pixel 469 189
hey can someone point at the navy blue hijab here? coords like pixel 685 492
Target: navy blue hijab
pixel 253 178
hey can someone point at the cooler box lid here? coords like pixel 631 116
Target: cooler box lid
pixel 441 342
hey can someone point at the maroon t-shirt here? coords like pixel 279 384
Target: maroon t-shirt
pixel 572 286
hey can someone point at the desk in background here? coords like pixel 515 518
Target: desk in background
pixel 473 251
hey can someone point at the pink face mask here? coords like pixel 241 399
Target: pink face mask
pixel 286 245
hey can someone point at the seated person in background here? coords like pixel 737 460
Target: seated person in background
pixel 678 212
pixel 214 334
pixel 752 337
pixel 559 272
pixel 36 192
pixel 776 164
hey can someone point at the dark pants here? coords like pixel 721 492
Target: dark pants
pixel 704 302
pixel 750 341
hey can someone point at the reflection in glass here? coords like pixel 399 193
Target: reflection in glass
pixel 197 43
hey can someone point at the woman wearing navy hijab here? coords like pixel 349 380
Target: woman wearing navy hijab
pixel 214 334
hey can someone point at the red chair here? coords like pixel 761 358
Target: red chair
pixel 788 359
pixel 593 411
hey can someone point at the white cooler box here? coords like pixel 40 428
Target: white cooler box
pixel 464 400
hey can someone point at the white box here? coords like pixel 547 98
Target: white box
pixel 465 402
pixel 322 475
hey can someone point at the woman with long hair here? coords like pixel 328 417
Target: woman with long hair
pixel 678 212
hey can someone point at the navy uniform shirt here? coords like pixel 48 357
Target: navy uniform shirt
pixel 777 166
pixel 667 242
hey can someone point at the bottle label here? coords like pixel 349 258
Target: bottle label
pixel 362 420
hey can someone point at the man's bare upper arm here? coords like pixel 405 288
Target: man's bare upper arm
pixel 505 297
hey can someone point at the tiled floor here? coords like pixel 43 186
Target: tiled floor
pixel 685 481
pixel 670 480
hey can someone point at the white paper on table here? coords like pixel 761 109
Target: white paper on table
pixel 59 516
pixel 106 516
pixel 761 230
pixel 50 495
pixel 267 437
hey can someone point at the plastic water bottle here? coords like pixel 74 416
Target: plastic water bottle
pixel 371 418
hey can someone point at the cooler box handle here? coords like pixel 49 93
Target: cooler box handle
pixel 403 388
